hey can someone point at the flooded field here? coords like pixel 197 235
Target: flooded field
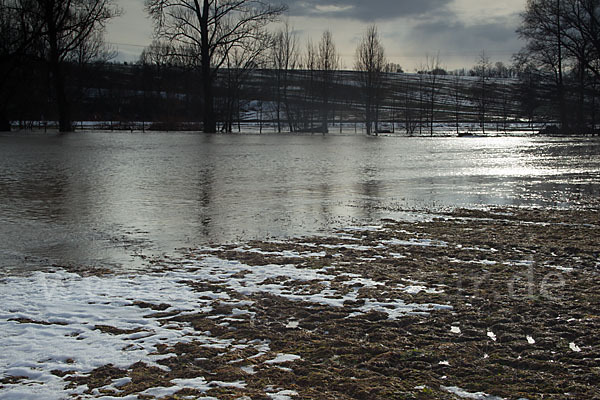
pixel 501 304
pixel 101 198
pixel 169 265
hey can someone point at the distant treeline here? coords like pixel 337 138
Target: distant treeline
pixel 167 97
pixel 218 64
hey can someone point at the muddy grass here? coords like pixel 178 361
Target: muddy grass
pixel 502 302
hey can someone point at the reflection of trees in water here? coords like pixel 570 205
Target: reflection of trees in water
pixel 326 193
pixel 205 183
pixel 369 189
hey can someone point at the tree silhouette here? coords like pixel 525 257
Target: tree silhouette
pixel 215 28
pixel 370 62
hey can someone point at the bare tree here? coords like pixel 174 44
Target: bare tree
pixel 542 27
pixel 239 63
pixel 410 121
pixel 432 71
pixel 17 35
pixel 285 57
pixel 214 27
pixel 327 63
pixel 482 70
pixel 527 92
pixel 162 54
pixel 310 67
pixel 371 62
pixel 67 26
pixel 457 103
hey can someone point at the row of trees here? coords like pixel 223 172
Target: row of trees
pixel 225 47
pixel 563 45
pixel 52 32
pixel 232 35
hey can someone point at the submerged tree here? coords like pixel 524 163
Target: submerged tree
pixel 284 58
pixel 482 70
pixel 563 38
pixel 66 28
pixel 327 63
pixel 216 28
pixel 238 65
pixel 542 28
pixel 370 62
pixel 19 33
pixel 432 71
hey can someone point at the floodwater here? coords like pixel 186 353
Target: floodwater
pixel 101 198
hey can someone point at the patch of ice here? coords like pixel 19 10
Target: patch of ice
pixel 416 242
pixel 455 329
pixel 574 347
pixel 356 247
pixel 560 268
pixel 468 395
pixel 397 255
pixel 366 228
pixel 283 358
pixel 248 369
pixel 283 253
pixel 283 395
pixel 479 262
pixel 121 382
pixel 199 384
pixel 520 263
pixel 398 308
pixel 292 325
pixel 416 289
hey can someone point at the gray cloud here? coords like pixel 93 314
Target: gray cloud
pixel 496 35
pixel 371 10
pixel 492 31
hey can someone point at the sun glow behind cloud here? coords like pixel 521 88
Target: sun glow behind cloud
pixel 331 8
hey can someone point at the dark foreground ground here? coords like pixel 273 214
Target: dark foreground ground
pixel 473 304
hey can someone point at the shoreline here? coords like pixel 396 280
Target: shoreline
pixel 473 303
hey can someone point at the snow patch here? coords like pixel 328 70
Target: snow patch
pixel 283 358
pixel 574 347
pixel 468 395
pixel 283 395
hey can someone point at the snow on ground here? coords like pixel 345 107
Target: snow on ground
pixel 61 321
pixel 468 395
pixel 52 321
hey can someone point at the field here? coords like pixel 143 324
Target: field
pixel 466 304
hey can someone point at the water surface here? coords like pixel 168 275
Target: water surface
pixel 100 198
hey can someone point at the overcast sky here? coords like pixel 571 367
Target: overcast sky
pixel 410 29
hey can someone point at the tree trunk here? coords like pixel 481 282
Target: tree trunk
pixel 580 109
pixel 324 122
pixel 561 89
pixel 4 124
pixel 64 117
pixel 368 115
pixel 58 79
pixel 210 120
